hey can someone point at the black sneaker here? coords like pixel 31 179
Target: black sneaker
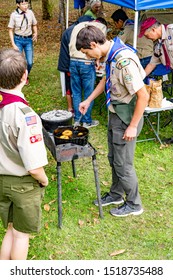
pixel 125 210
pixel 107 200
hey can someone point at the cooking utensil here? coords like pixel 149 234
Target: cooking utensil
pixel 75 126
pixel 79 135
pixel 53 119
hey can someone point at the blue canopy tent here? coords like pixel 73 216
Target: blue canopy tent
pixel 140 5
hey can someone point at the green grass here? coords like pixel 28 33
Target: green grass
pixel 84 235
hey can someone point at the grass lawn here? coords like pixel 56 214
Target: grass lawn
pixel 84 236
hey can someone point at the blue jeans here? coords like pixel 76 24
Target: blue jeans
pixel 82 79
pixel 26 45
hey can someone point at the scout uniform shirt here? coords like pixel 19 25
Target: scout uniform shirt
pixel 126 76
pixel 74 53
pixel 22 22
pixel 167 39
pixel 21 140
pixel 144 45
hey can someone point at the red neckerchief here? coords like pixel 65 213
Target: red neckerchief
pixel 7 98
pixel 167 59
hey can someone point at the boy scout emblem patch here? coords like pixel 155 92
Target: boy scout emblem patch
pixel 122 63
pixel 1 98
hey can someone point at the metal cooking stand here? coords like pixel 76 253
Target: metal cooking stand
pixel 70 152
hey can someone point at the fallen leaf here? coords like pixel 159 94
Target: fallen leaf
pixel 96 221
pixel 80 223
pixel 99 147
pixel 46 225
pixel 53 177
pixel 115 253
pixel 47 207
pixel 161 168
pixel 52 201
pixel 105 183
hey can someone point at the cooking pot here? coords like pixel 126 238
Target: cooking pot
pixel 77 135
pixel 53 119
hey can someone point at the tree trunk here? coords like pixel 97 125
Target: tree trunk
pixel 62 18
pixel 46 9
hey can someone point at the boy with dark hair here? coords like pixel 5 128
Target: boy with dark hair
pixel 127 98
pixel 23 31
pixel 23 155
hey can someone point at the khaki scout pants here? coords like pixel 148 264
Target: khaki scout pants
pixel 121 156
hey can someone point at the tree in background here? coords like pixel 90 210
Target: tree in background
pixel 46 10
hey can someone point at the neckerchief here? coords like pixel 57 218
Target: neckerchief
pixel 7 98
pixel 24 18
pixel 167 59
pixel 117 47
pixel 129 22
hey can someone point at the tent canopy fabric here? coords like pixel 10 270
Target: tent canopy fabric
pixel 139 5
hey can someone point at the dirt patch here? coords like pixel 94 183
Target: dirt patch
pixel 49 32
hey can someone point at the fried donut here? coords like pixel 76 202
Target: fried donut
pixel 64 137
pixel 67 132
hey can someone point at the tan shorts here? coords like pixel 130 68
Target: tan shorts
pixel 20 202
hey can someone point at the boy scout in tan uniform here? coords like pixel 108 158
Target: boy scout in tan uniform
pixel 128 99
pixel 23 155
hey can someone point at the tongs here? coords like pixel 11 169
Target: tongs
pixel 76 125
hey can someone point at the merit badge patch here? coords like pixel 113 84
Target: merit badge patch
pixel 122 63
pixel 31 120
pixel 128 78
pixel 35 138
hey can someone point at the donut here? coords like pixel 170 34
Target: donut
pixel 67 132
pixel 80 133
pixel 64 137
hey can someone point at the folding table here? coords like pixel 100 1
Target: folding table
pixel 156 111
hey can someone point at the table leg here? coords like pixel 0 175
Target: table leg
pixel 59 190
pixel 158 127
pixel 97 185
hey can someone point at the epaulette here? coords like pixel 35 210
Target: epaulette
pixel 26 110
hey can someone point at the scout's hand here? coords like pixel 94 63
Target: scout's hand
pixel 83 106
pixel 34 37
pixel 130 133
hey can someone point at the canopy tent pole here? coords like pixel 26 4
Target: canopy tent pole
pixel 67 13
pixel 135 29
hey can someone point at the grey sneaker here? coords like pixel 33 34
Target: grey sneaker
pixel 107 200
pixel 125 210
pixel 88 125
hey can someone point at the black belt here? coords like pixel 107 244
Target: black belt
pixel 30 36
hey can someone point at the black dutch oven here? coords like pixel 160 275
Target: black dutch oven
pixel 53 119
pixel 69 134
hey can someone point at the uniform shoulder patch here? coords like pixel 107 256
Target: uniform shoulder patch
pixel 122 63
pixel 26 110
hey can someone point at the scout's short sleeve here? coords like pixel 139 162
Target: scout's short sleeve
pixel 11 23
pixel 30 141
pixel 130 77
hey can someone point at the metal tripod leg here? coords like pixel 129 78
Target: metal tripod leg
pixel 97 185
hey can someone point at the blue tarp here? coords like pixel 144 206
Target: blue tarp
pixel 139 5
